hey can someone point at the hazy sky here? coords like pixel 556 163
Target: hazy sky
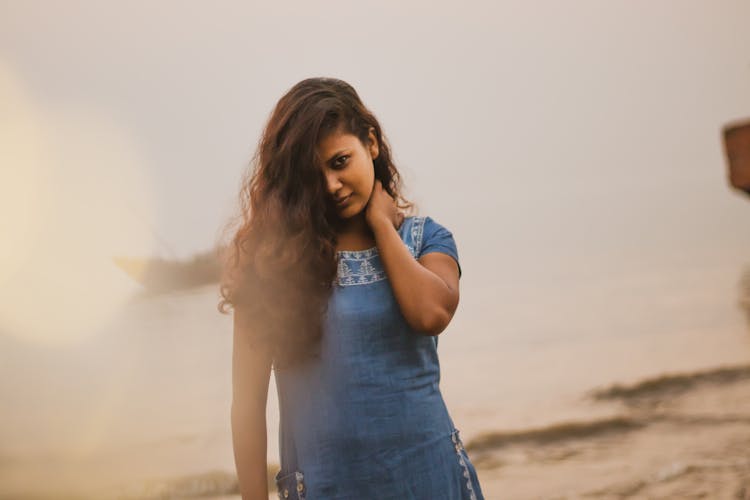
pixel 550 137
pixel 520 111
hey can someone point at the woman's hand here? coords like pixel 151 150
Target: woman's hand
pixel 382 207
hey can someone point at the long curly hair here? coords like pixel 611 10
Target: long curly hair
pixel 281 263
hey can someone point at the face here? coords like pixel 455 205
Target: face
pixel 349 170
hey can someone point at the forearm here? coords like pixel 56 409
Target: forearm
pixel 420 293
pixel 250 453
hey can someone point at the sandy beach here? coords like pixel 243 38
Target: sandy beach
pixel 154 423
pixel 677 436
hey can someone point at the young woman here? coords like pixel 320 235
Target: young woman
pixel 343 295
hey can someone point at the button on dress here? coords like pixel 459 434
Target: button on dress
pixel 364 418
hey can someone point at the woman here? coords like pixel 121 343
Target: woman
pixel 343 296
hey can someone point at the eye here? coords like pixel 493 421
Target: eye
pixel 341 161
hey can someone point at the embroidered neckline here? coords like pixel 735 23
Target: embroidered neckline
pixel 358 254
pixel 361 267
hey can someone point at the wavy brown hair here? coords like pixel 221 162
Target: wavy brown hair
pixel 281 263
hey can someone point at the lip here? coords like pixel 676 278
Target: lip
pixel 344 200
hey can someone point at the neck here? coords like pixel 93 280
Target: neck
pixel 355 226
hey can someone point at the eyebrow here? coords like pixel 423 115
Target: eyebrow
pixel 337 153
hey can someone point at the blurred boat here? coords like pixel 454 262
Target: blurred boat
pixel 737 150
pixel 158 275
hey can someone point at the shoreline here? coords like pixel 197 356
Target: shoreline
pixel 675 436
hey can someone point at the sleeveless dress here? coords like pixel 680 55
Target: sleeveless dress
pixel 364 418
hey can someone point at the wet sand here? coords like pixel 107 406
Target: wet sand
pixel 679 436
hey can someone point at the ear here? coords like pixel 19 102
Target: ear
pixel 374 147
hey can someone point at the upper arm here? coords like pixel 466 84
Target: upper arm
pixel 446 268
pixel 437 252
pixel 251 368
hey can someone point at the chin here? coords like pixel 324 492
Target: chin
pixel 349 212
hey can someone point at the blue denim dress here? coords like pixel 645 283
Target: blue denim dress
pixel 364 418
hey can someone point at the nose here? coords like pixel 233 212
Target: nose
pixel 333 183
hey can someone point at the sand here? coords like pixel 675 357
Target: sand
pixel 678 436
pixel 681 436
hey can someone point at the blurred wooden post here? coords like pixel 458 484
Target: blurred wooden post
pixel 737 149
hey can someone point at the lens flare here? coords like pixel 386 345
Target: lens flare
pixel 73 193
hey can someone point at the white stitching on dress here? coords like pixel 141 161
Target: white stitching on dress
pixel 417 231
pixel 362 267
pixel 460 447
pixel 300 485
pixel 360 270
pixel 283 491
